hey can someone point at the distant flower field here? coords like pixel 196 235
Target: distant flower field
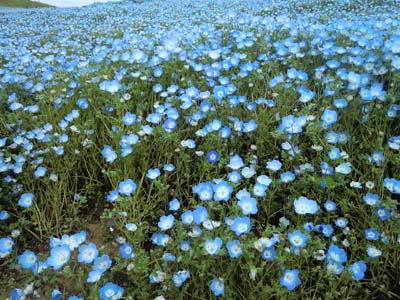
pixel 201 150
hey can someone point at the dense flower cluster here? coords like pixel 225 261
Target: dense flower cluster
pixel 219 131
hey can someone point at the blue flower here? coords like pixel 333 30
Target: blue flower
pixel 234 177
pixel 153 173
pixel 40 172
pixel 259 190
pixel 59 256
pixel 129 118
pixel 334 153
pixel 290 279
pixel 297 239
pixel 371 234
pixel 343 168
pixel 187 217
pixel 274 165
pixel 102 263
pixel 180 277
pixel 235 162
pixel 329 205
pixel 168 168
pixel 56 295
pixel 200 215
pixel 127 187
pixel 170 124
pixel 336 254
pixel 217 286
pixel 358 270
pixel 160 239
pixel 28 259
pixel 111 291
pixel 329 117
pixel 268 253
pixel 87 253
pixel 341 222
pixel 222 191
pixel 174 204
pixel 241 225
pixel 382 213
pixel 94 276
pixel 287 177
pixel 234 248
pixel 26 200
pixel 126 251
pixel 248 205
pixel 303 206
pixel 6 246
pixel 212 247
pixel 109 154
pixel 212 156
pixel 185 246
pixel 166 222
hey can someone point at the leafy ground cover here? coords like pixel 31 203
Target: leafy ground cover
pixel 200 150
pixel 22 4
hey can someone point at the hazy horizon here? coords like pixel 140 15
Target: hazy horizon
pixel 72 3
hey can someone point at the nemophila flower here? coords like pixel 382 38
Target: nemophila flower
pixel 212 156
pixel 334 154
pixel 336 254
pixel 303 206
pixel 235 162
pixel 274 165
pixel 248 172
pixel 82 103
pixel 372 199
pixel 358 270
pixel 326 229
pixel 17 294
pixel 334 267
pixel 94 276
pixel 205 190
pixel 340 103
pixel 212 247
pixel 392 185
pixel 248 205
pixel 185 246
pixel 126 251
pixel 297 239
pixel 129 118
pixel 56 295
pixel 290 279
pixel 87 253
pixel 329 205
pixel 220 92
pixel 259 190
pixel 343 168
pixel 26 200
pixel 4 215
pixel 189 143
pixel 234 248
pixel 222 191
pixel 329 117
pixel 332 137
pixel 170 124
pixel 111 291
pixel 264 180
pixel 112 196
pixel 168 168
pixel 200 215
pixel 110 86
pixel 180 277
pixel 377 158
pixel 373 252
pixel 217 286
pixel 40 172
pixel 268 253
pixel 287 177
pixel 127 187
pixel 174 204
pixel 28 259
pixel 187 217
pixel 382 213
pixel 153 173
pixel 168 257
pixel 102 263
pixel 372 234
pixel 59 256
pixel 241 225
pixel 160 239
pixel 341 222
pixel 166 222
pixel 234 177
pixel 109 154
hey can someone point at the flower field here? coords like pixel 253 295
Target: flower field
pixel 200 150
